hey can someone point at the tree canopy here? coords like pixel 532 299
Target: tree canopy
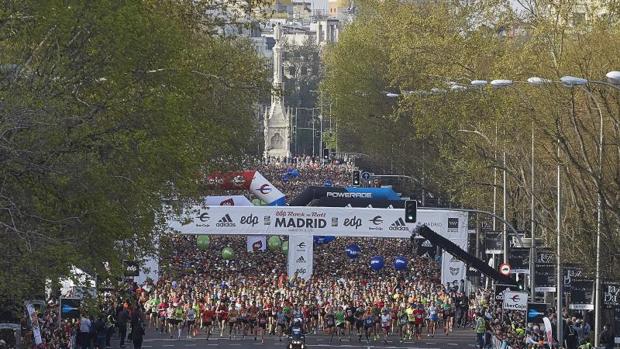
pixel 452 139
pixel 106 109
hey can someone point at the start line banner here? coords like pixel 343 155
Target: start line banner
pixel 318 221
pixel 300 223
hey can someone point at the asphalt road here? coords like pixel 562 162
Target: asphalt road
pixel 460 338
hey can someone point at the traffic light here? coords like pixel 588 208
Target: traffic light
pixel 326 153
pixel 411 208
pixel 356 178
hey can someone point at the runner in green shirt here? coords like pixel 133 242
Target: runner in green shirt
pixel 153 303
pixel 179 317
pixel 339 323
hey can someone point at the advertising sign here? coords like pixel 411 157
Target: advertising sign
pixel 499 291
pixel 322 221
pixel 582 293
pixel 611 294
pixel 308 221
pixel 70 308
pixel 515 301
pixel 300 254
pixel 34 320
pixel 494 242
pixel 545 256
pixel 453 270
pixel 131 268
pixel 536 312
pixel 570 273
pixel 519 260
pixel 545 277
pixel 256 243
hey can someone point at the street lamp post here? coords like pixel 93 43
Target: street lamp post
pixel 505 216
pixel 560 324
pixel 532 221
pixel 532 265
pixel 482 84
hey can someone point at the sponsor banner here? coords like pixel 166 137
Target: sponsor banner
pixel 256 243
pixel 536 312
pixel 493 242
pixel 376 203
pixel 519 260
pixel 515 301
pixel 453 224
pixel 265 191
pixel 582 293
pixel 375 193
pixel 570 273
pixel 611 294
pixel 425 248
pixel 322 221
pixel 545 277
pixel 500 289
pixel 70 308
pixel 131 268
pixel 347 195
pixel 231 200
pixel 545 256
pixel 34 321
pixel 300 254
pixel 452 269
pixel 472 272
pixel 230 180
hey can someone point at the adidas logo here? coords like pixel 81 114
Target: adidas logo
pixel 427 243
pixel 399 224
pixel 225 221
pixel 301 259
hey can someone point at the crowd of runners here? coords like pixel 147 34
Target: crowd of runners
pixel 201 293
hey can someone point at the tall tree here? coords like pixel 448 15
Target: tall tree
pixel 106 109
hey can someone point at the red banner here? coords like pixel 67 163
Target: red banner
pixel 231 180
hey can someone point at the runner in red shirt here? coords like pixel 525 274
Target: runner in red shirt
pixel 419 314
pixel 207 319
pixel 222 314
pixel 162 310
